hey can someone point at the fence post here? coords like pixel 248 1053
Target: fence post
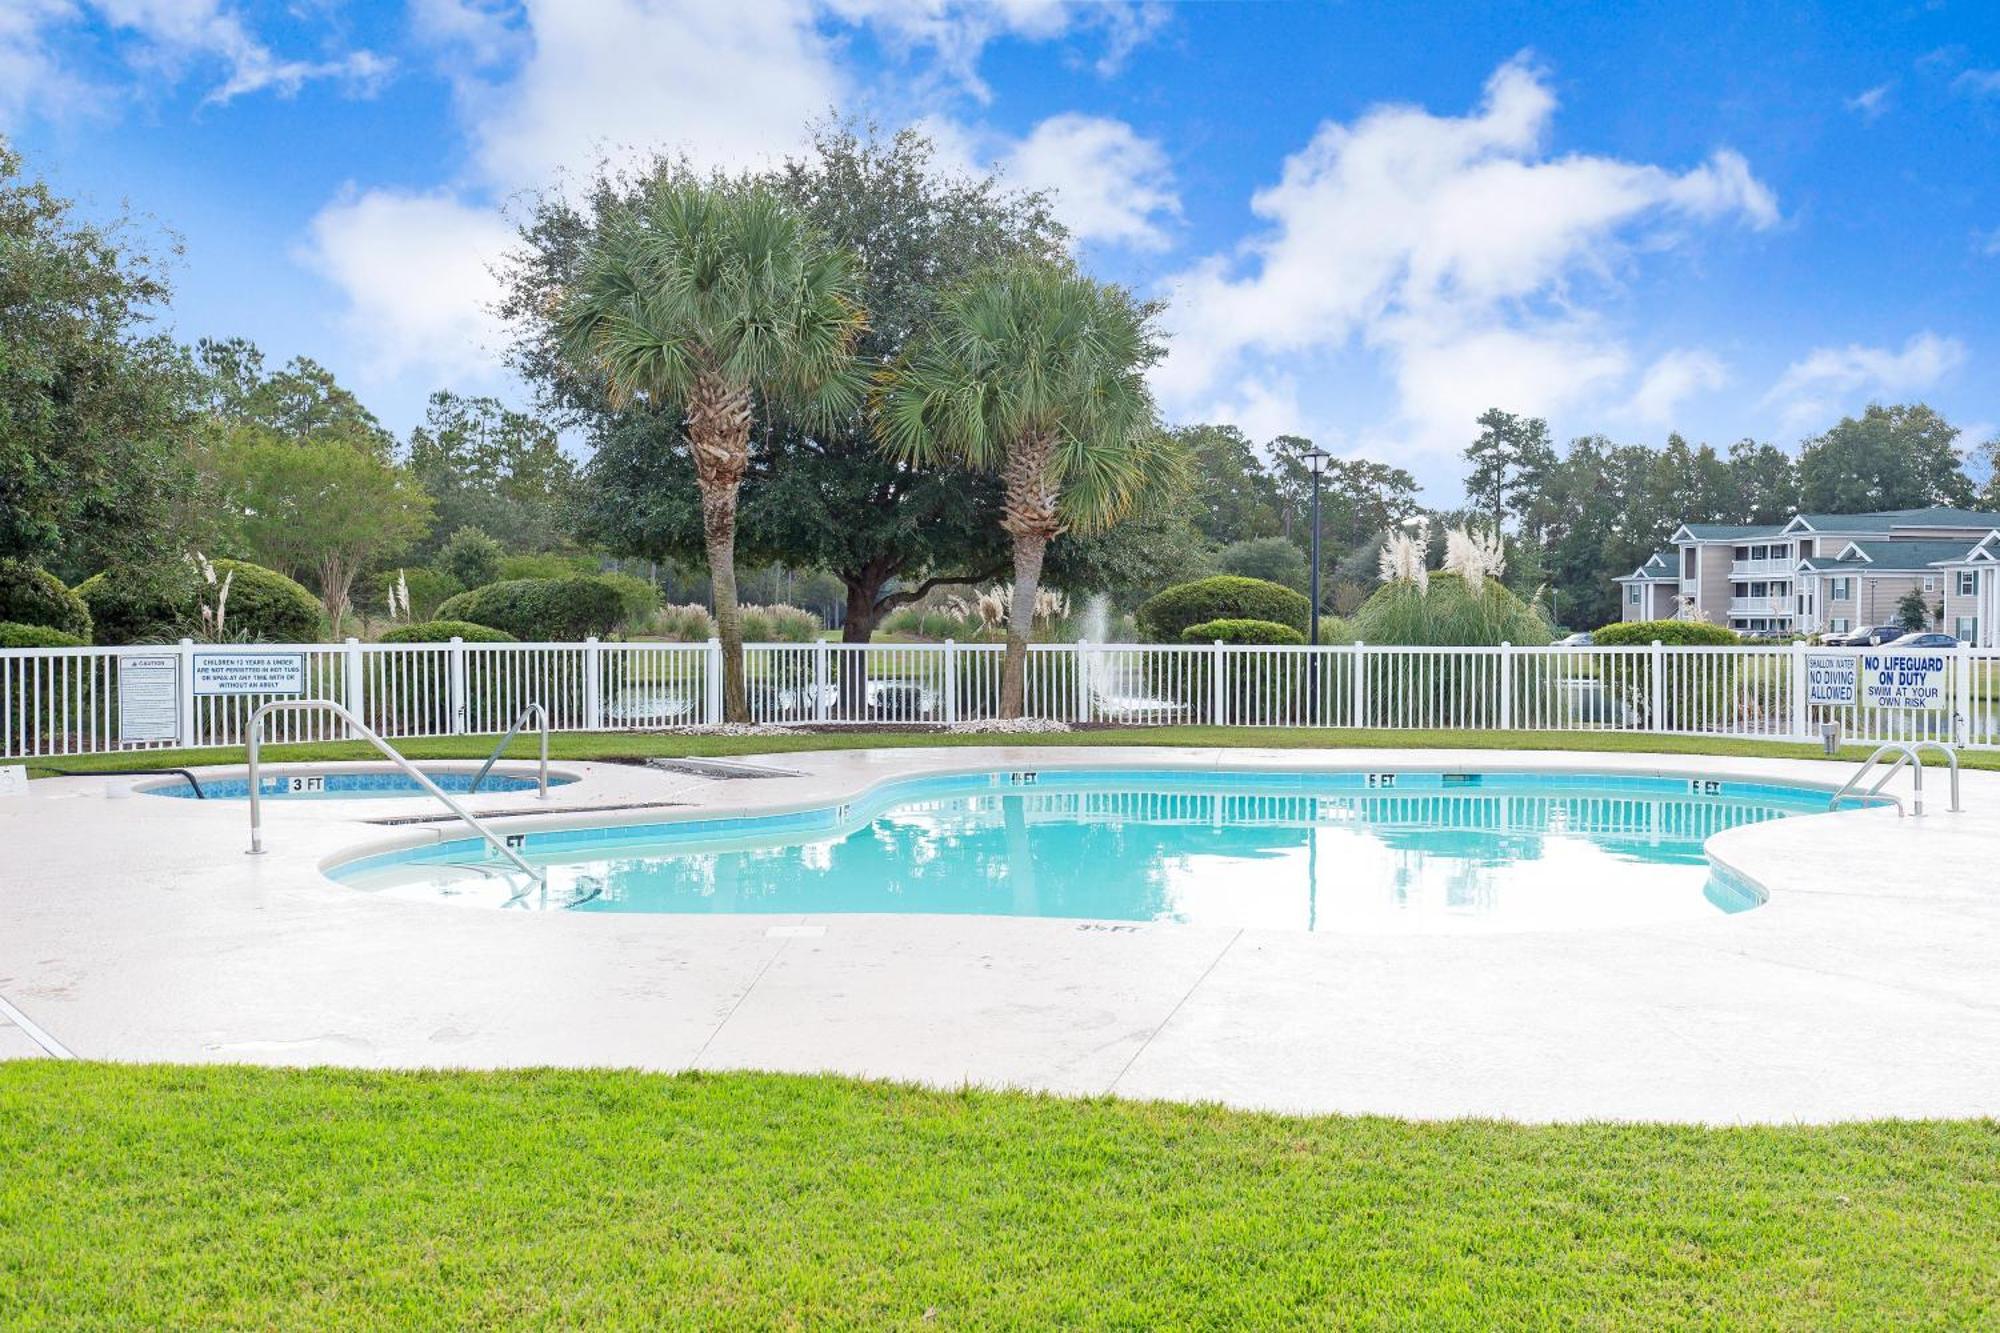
pixel 1506 686
pixel 1801 703
pixel 950 681
pixel 822 679
pixel 355 690
pixel 1079 683
pixel 593 684
pixel 1218 696
pixel 1360 686
pixel 712 683
pixel 1656 705
pixel 1961 723
pixel 455 693
pixel 186 700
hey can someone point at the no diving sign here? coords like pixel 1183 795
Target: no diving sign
pixel 1903 680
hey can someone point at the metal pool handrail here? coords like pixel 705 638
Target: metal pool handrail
pixel 363 730
pixel 532 710
pixel 1906 752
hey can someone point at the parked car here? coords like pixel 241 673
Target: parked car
pixel 1581 639
pixel 1874 637
pixel 1924 639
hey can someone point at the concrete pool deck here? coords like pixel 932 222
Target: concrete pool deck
pixel 134 928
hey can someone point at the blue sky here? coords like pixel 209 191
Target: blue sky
pixel 1370 221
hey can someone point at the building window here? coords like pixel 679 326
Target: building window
pixel 1840 624
pixel 1742 553
pixel 1930 583
pixel 1841 591
pixel 1968 582
pixel 1967 629
pixel 1632 594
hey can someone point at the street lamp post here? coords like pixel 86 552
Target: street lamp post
pixel 1316 459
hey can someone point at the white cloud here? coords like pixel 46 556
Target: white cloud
pixel 1672 379
pixel 1871 103
pixel 957 32
pixel 416 272
pixel 32 78
pixel 1829 378
pixel 1456 247
pixel 1978 82
pixel 1110 184
pixel 730 84
pixel 181 31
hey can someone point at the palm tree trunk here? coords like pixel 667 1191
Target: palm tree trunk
pixel 1028 552
pixel 718 426
pixel 718 531
pixel 1029 518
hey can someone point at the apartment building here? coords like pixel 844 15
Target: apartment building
pixel 1828 572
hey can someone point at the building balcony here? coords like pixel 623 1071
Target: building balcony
pixel 1760 606
pixel 1761 569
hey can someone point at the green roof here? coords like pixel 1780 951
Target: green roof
pixel 1882 520
pixel 1895 557
pixel 1729 531
pixel 1659 565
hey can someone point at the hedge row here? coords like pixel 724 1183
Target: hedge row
pixel 13 634
pixel 160 606
pixel 444 631
pixel 1699 633
pixel 33 596
pixel 1166 616
pixel 1241 631
pixel 554 610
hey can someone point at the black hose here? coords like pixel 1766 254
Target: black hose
pixel 188 774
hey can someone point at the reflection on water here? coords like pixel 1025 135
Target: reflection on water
pixel 1436 860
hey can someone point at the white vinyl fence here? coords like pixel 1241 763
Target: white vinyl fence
pixel 74 701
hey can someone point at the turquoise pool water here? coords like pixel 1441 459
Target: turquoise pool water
pixel 348 786
pixel 1409 851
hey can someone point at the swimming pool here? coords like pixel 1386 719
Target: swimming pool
pixel 1316 851
pixel 361 785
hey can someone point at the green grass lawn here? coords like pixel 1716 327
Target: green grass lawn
pixel 166 1196
pixel 637 745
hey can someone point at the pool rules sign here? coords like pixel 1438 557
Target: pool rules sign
pixel 1904 680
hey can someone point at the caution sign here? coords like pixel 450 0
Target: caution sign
pixel 1904 680
pixel 1832 678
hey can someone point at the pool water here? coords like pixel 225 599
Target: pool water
pixel 1345 852
pixel 349 786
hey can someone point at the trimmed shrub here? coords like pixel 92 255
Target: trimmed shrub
pixel 444 631
pixel 13 634
pixel 161 605
pixel 1639 633
pixel 266 607
pixel 33 596
pixel 556 610
pixel 1164 616
pixel 1241 631
pixel 1694 696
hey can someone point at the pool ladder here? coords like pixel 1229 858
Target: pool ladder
pixel 395 756
pixel 1907 753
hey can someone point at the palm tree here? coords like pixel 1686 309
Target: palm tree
pixel 1037 373
pixel 714 299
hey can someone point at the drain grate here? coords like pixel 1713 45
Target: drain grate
pixel 723 769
